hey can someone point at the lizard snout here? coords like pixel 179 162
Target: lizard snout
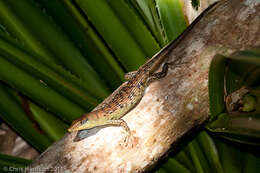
pixel 76 124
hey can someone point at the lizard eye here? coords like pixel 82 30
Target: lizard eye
pixel 84 121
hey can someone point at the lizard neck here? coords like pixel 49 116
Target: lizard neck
pixel 153 64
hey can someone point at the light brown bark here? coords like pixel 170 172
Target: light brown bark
pixel 171 106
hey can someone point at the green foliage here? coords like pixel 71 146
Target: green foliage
pixel 12 164
pixel 59 59
pixel 51 42
pixel 171 17
pixel 240 125
pixel 13 114
pixel 86 39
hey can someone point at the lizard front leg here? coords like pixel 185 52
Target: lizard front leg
pixel 121 123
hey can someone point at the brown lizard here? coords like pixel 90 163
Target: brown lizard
pixel 132 92
pixel 126 98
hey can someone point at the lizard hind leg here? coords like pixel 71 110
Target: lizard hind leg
pixel 123 124
pixel 160 74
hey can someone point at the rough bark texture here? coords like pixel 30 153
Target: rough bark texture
pixel 171 106
pixel 12 144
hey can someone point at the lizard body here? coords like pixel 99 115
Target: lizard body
pixel 132 92
pixel 125 99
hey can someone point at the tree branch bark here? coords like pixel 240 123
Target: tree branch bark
pixel 171 106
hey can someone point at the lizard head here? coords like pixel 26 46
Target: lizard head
pixel 78 124
pixel 86 121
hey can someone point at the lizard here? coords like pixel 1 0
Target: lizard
pixel 130 94
pixel 125 99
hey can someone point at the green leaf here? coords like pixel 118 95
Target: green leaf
pixel 47 72
pixel 242 128
pixel 148 12
pixel 17 28
pixel 174 166
pixel 53 127
pixel 210 151
pixel 48 123
pixel 62 48
pixel 12 113
pixel 235 80
pixel 231 159
pixel 247 65
pixel 252 164
pixel 11 164
pixel 216 85
pixel 38 91
pixel 182 158
pixel 161 170
pixel 248 56
pixel 199 161
pixel 243 70
pixel 172 18
pixel 114 32
pixel 135 27
pixel 86 39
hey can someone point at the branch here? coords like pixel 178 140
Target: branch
pixel 171 106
